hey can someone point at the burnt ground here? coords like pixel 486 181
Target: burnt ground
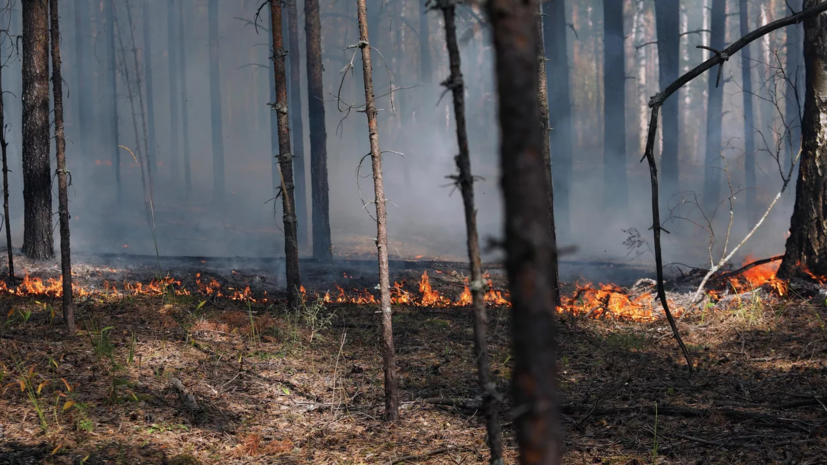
pixel 276 386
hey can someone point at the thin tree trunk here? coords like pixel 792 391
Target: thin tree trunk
pixel 182 57
pixel 291 246
pixel 62 172
pixel 615 190
pixel 322 245
pixel 667 14
pixel 749 119
pixel 215 104
pixel 152 142
pixel 714 115
pixel 560 120
pixel 424 43
pixel 113 90
pixel 529 249
pixel 38 242
pixel 806 248
pixel 174 80
pixel 274 125
pixel 82 45
pixel 465 181
pixel 793 92
pixel 4 148
pixel 388 353
pixel 296 122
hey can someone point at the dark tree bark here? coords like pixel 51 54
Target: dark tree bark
pixel 84 97
pixel 806 248
pixel 528 246
pixel 714 115
pixel 215 104
pixel 274 124
pixel 174 80
pixel 182 57
pixel 296 123
pixel 560 120
pixel 322 245
pixel 424 43
pixel 794 93
pixel 388 353
pixel 4 148
pixel 285 157
pixel 38 241
pixel 62 172
pixel 667 13
pixel 615 190
pixel 113 94
pixel 749 119
pixel 152 143
pixel 465 181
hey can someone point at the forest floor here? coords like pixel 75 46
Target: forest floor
pixel 271 386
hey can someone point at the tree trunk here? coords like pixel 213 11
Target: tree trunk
pixel 152 143
pixel 615 190
pixel 62 172
pixel 113 95
pixel 424 43
pixel 38 241
pixel 388 353
pixel 793 95
pixel 806 248
pixel 560 120
pixel 215 105
pixel 296 122
pixel 182 57
pixel 667 14
pixel 174 80
pixel 291 246
pixel 322 245
pixel 465 181
pixel 749 119
pixel 528 246
pixel 714 115
pixel 82 46
pixel 4 149
pixel 274 124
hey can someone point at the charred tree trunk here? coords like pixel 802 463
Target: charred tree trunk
pixel 465 181
pixel 322 245
pixel 291 246
pixel 174 80
pixel 424 43
pixel 714 115
pixel 388 353
pixel 182 57
pixel 560 120
pixel 152 143
pixel 62 172
pixel 615 190
pixel 749 118
pixel 82 45
pixel 793 92
pixel 4 149
pixel 667 14
pixel 274 124
pixel 215 104
pixel 38 241
pixel 529 249
pixel 806 248
pixel 113 90
pixel 296 122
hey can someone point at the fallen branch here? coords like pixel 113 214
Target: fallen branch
pixel 441 450
pixel 468 404
pixel 753 265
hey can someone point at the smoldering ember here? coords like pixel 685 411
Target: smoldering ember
pixel 413 231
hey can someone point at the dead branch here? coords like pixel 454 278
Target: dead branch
pixel 441 450
pixel 753 265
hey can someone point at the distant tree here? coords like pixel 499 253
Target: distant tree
pixel 714 114
pixel 296 122
pixel 62 172
pixel 112 79
pixel 749 118
pixel 217 131
pixel 38 241
pixel 667 14
pixel 83 91
pixel 528 246
pixel 182 74
pixel 615 190
pixel 4 152
pixel 794 93
pixel 174 95
pixel 152 143
pixel 424 44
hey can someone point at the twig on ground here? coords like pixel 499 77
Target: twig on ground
pixel 441 450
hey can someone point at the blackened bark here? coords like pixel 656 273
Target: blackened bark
pixel 185 125
pixel 560 119
pixel 529 249
pixel 152 143
pixel 806 248
pixel 322 245
pixel 713 167
pixel 174 132
pixel 794 91
pixel 274 124
pixel 38 241
pixel 424 43
pixel 113 94
pixel 465 181
pixel 285 157
pixel 62 172
pixel 4 148
pixel 84 97
pixel 215 104
pixel 296 122
pixel 667 13
pixel 749 118
pixel 615 190
pixel 388 353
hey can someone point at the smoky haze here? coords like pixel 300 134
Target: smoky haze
pixel 424 214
